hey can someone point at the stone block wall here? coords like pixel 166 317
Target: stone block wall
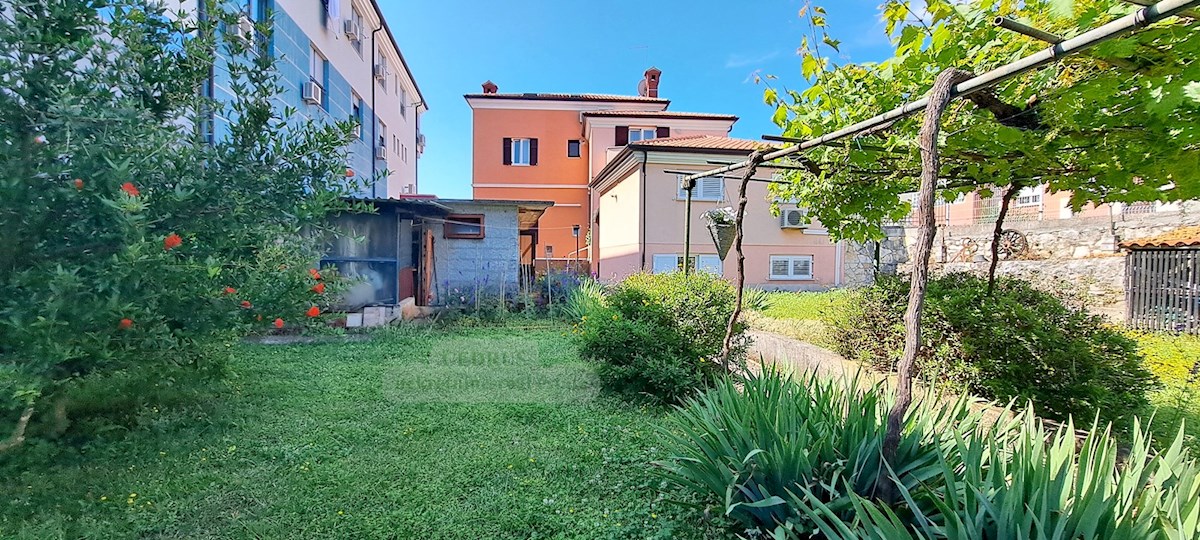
pixel 490 264
pixel 1077 258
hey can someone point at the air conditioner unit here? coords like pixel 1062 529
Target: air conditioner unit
pixel 244 29
pixel 381 70
pixel 353 29
pixel 356 131
pixel 793 218
pixel 420 141
pixel 313 93
pixel 381 151
pixel 408 189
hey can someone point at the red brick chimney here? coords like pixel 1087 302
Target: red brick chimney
pixel 491 88
pixel 651 82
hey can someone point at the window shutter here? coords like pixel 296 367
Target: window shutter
pixel 779 267
pixel 663 132
pixel 801 267
pixel 507 151
pixel 622 135
pixel 710 188
pixel 533 151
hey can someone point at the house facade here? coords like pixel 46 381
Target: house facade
pixel 641 218
pixel 337 60
pixel 549 147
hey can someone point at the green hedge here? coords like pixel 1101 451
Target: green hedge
pixel 659 335
pixel 1020 343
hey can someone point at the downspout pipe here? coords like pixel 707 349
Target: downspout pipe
pixel 374 118
pixel 642 212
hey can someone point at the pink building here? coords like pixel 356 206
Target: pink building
pixel 641 209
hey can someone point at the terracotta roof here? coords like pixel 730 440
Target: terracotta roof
pixel 1181 237
pixel 661 114
pixel 702 142
pixel 569 97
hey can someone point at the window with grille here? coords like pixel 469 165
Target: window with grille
pixel 1028 196
pixel 791 267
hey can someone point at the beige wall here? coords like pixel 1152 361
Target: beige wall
pixel 620 223
pixel 619 233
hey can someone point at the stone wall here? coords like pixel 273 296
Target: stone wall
pixel 1076 258
pixel 858 266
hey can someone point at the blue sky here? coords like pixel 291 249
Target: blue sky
pixel 708 51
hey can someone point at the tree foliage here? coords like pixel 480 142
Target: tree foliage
pixel 1119 123
pixel 131 241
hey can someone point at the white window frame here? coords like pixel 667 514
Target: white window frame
pixel 316 66
pixel 1029 196
pixel 702 185
pixel 702 262
pixel 791 262
pixel 642 133
pixel 519 152
pixel 403 101
pixel 383 138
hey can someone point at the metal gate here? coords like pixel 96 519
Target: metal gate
pixel 1162 289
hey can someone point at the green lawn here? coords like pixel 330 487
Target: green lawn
pixel 801 315
pixel 484 433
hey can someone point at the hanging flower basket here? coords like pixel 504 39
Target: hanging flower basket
pixel 722 225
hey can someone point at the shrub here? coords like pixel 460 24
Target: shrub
pixel 751 449
pixel 801 461
pixel 587 297
pixel 1020 343
pixel 660 335
pixel 131 242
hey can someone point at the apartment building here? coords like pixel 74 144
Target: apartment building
pixel 606 162
pixel 337 60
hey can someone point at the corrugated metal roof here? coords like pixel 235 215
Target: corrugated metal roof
pixel 568 97
pixel 702 142
pixel 1181 237
pixel 662 114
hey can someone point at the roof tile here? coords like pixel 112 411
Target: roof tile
pixel 662 114
pixel 704 142
pixel 1181 237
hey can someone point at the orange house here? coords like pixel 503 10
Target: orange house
pixel 547 146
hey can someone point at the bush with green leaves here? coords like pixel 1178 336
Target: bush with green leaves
pixel 660 335
pixel 131 242
pixel 1019 343
pixel 802 461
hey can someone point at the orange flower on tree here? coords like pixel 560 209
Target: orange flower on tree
pixel 230 290
pixel 313 311
pixel 131 189
pixel 349 173
pixel 314 273
pixel 319 288
pixel 79 183
pixel 246 304
pixel 172 241
pixel 125 324
pixel 278 323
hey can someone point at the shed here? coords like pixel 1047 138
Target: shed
pixel 432 250
pixel 1162 281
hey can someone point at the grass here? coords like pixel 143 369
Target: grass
pixel 1172 358
pixel 481 433
pixel 801 315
